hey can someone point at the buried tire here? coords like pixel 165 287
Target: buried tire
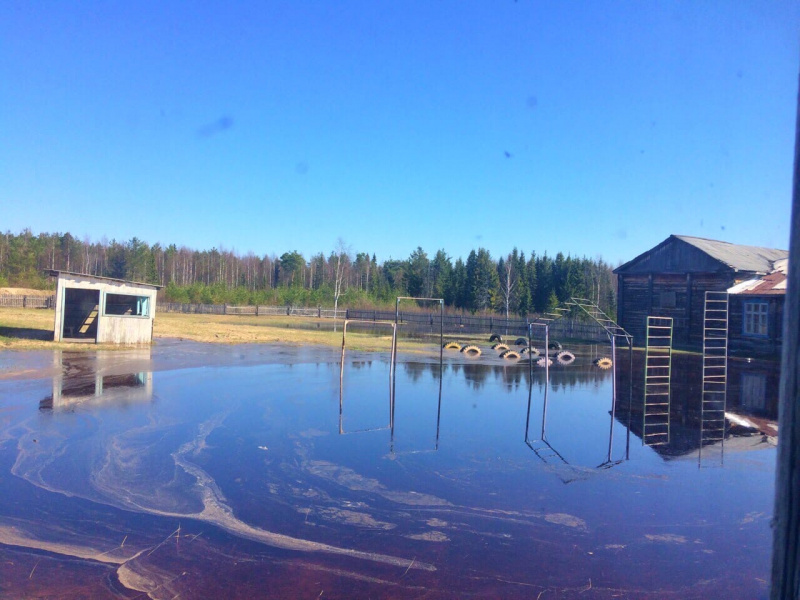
pixel 542 362
pixel 471 351
pixel 496 338
pixel 521 341
pixel 500 347
pixel 510 355
pixel 554 345
pixel 452 346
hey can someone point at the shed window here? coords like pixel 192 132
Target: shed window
pixel 127 305
pixel 668 300
pixel 755 318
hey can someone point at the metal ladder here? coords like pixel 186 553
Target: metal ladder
pixel 715 375
pixel 657 377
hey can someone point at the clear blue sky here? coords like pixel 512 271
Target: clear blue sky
pixel 595 128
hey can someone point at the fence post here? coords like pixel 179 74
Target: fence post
pixel 256 308
pixel 491 324
pixel 224 309
pixel 319 312
pixel 24 302
pixel 346 313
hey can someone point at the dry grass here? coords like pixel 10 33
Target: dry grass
pixel 32 329
pixel 13 291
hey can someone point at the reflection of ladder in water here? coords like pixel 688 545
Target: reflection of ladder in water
pixel 657 374
pixel 545 451
pixel 715 372
pixel 87 322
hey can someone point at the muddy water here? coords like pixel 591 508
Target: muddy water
pixel 201 471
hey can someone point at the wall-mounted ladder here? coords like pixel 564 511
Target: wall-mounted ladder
pixel 657 376
pixel 715 375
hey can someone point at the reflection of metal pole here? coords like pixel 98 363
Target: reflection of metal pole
pixel 341 399
pixel 530 396
pixel 613 393
pixel 544 407
pixel 630 398
pixel 439 409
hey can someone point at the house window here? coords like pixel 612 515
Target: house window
pixel 755 318
pixel 127 306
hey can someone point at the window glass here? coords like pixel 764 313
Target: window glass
pixel 755 318
pixel 127 305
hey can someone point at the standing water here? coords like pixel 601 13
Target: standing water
pixel 267 471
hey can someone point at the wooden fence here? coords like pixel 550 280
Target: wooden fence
pixel 257 311
pixel 28 301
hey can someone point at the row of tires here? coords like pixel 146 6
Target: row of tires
pixel 563 357
pixel 521 341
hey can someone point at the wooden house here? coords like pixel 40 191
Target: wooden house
pixel 103 310
pixel 670 280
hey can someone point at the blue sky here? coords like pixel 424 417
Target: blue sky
pixel 594 128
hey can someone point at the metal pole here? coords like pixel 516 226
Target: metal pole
pixel 547 353
pixel 441 337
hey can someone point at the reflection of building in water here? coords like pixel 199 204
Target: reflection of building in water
pixel 100 378
pixel 751 408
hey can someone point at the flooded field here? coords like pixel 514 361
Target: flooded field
pixel 202 471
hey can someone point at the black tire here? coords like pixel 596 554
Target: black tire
pixel 496 338
pixel 521 341
pixel 555 345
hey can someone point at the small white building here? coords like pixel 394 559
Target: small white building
pixel 103 310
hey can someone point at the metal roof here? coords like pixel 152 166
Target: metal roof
pixel 741 258
pixel 56 273
pixel 773 284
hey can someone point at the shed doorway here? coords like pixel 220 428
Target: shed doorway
pixel 81 312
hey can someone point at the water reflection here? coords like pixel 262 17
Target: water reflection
pixel 750 417
pixel 99 379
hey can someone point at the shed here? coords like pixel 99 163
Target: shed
pixel 103 310
pixel 670 280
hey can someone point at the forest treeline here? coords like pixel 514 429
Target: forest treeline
pixel 512 284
